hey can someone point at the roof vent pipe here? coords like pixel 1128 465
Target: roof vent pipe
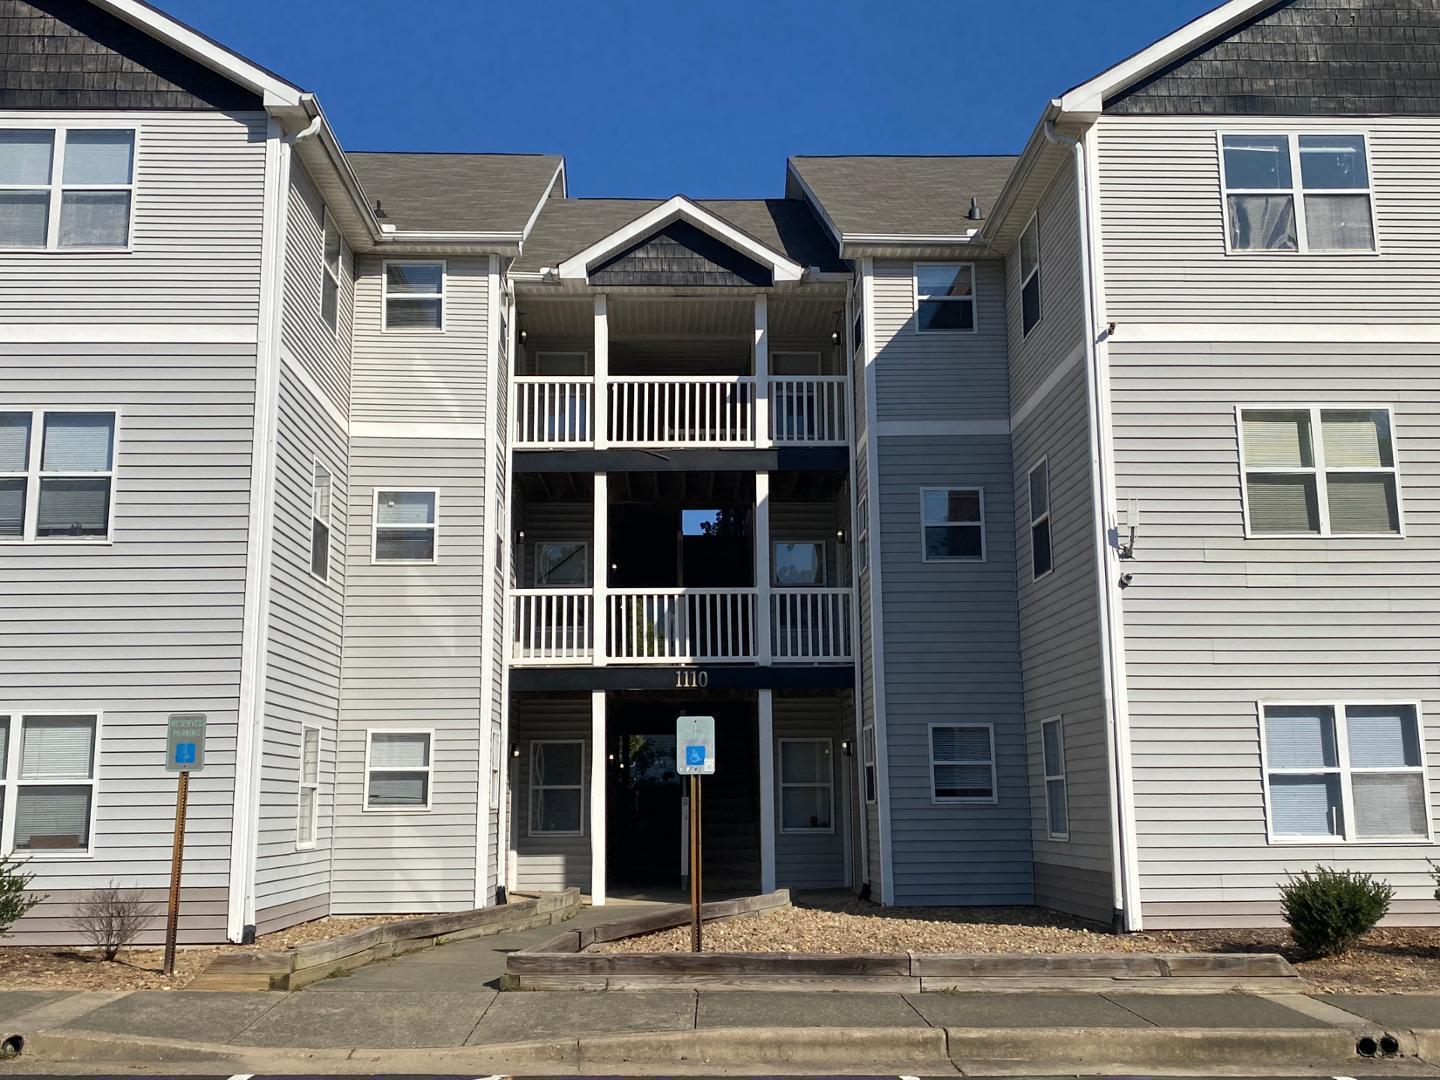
pixel 974 212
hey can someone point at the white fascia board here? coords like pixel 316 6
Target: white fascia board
pixel 1088 98
pixel 817 205
pixel 577 267
pixel 558 178
pixel 275 90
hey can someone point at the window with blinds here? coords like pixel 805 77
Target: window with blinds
pixel 47 783
pixel 557 788
pixel 1057 797
pixel 333 247
pixel 952 524
pixel 1297 193
pixel 867 758
pixel 413 295
pixel 397 771
pixel 307 820
pixel 944 297
pixel 962 763
pixel 1345 772
pixel 406 526
pixel 807 786
pixel 1320 472
pixel 66 188
pixel 322 486
pixel 57 475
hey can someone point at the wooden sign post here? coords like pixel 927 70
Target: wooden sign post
pixel 184 754
pixel 695 757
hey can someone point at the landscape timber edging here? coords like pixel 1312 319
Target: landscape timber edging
pixel 666 918
pixel 292 969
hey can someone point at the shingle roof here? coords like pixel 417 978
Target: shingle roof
pixel 566 226
pixel 455 192
pixel 904 196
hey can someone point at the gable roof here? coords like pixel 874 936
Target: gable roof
pixel 900 198
pixel 479 193
pixel 566 227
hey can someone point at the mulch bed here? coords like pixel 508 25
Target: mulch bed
pixel 1397 960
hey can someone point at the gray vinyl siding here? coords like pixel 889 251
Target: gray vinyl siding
pixel 324 353
pixel 547 863
pixel 865 682
pixel 1216 622
pixel 1059 615
pixel 422 375
pixel 199 204
pixel 414 645
pixel 939 376
pixel 813 860
pixel 151 623
pixel 499 501
pixel 52 921
pixel 302 680
pixel 1164 236
pixel 952 656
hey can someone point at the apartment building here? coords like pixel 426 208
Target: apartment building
pixel 1060 528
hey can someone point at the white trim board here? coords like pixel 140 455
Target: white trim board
pixel 1282 333
pixel 102 334
pixel 1048 386
pixel 304 378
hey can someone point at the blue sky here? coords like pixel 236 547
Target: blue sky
pixel 705 97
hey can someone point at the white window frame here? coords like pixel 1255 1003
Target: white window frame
pixel 1033 223
pixel 12 783
pixel 984 547
pixel 302 785
pixel 1320 471
pixel 1345 771
pixel 973 299
pixel 870 782
pixel 443 294
pixel 429 770
pixel 34 475
pixel 1043 519
pixel 824 582
pixel 862 533
pixel 1051 777
pixel 1297 192
pixel 948 800
pixel 57 185
pixel 531 787
pixel 496 766
pixel 375 527
pixel 317 466
pixel 585 556
pixel 330 277
pixel 828 786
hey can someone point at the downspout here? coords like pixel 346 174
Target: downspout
pixel 1124 883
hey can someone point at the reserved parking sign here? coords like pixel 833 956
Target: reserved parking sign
pixel 695 746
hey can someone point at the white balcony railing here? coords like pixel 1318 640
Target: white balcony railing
pixel 673 411
pixel 810 625
pixel 553 626
pixel 808 410
pixel 682 625
pixel 553 412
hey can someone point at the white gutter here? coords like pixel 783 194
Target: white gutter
pixel 1124 870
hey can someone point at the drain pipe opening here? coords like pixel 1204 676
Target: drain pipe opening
pixel 12 1046
pixel 1389 1045
pixel 1366 1046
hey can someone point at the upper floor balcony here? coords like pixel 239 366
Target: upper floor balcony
pixel 670 373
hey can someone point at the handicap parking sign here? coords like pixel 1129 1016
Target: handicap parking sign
pixel 695 746
pixel 695 756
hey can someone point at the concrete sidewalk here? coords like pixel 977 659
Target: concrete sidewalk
pixel 440 1017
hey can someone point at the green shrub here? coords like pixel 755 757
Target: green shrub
pixel 14 900
pixel 1435 873
pixel 1329 910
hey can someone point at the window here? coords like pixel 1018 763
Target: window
pixel 66 188
pixel 862 532
pixel 562 564
pixel 321 485
pixel 1345 772
pixel 1041 558
pixel 496 759
pixel 397 770
pixel 414 295
pixel 47 783
pixel 307 823
pixel 1344 483
pixel 406 524
pixel 1030 276
pixel 867 760
pixel 557 788
pixel 1057 810
pixel 806 786
pixel 798 563
pixel 953 523
pixel 944 296
pixel 962 763
pixel 1327 176
pixel 330 274
pixel 56 475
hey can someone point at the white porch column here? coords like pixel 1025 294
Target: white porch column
pixel 762 370
pixel 600 571
pixel 762 566
pixel 597 797
pixel 767 790
pixel 600 409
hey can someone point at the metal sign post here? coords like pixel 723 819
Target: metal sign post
pixel 695 757
pixel 184 754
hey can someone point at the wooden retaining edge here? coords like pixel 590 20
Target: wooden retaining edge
pixel 293 968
